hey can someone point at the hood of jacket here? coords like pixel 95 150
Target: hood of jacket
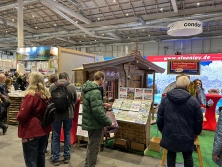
pixel 89 85
pixel 178 95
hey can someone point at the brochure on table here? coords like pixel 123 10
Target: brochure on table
pixel 136 111
pixel 81 132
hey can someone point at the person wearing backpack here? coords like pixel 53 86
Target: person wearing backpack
pixel 64 97
pixel 94 118
pixel 34 136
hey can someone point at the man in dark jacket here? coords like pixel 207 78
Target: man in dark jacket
pixel 93 116
pixel 63 118
pixel 179 119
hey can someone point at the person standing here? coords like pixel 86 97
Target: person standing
pixel 34 136
pixel 65 118
pixel 94 118
pixel 179 119
pixel 3 113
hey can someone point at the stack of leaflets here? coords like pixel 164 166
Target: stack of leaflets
pixel 117 103
pixel 141 118
pixel 135 106
pixel 126 104
pixel 145 107
pixel 122 115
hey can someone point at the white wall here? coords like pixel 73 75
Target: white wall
pixel 157 48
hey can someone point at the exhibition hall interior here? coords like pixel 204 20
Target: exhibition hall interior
pixel 143 48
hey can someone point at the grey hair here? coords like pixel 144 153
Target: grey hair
pixel 182 81
pixel 63 75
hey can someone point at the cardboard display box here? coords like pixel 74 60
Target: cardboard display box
pixel 121 143
pixel 155 144
pixel 137 146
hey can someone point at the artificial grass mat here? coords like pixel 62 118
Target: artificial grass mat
pixel 206 146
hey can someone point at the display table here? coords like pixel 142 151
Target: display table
pixel 74 126
pixel 210 122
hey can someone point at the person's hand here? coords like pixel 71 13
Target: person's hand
pixel 107 105
pixel 216 156
pixel 113 125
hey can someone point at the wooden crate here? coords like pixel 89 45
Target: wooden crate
pixel 13 110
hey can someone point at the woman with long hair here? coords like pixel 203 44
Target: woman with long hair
pixel 34 137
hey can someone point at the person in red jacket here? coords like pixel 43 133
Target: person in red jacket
pixel 34 137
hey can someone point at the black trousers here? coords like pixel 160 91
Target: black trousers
pixel 2 125
pixel 187 156
pixel 34 152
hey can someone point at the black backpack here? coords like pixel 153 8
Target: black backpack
pixel 49 115
pixel 60 97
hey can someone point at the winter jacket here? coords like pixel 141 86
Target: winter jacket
pixel 217 147
pixel 179 118
pixel 31 112
pixel 71 91
pixel 93 115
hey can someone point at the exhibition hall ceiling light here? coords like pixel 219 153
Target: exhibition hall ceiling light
pixel 55 24
pixel 198 4
pixel 77 22
pixel 13 20
pixel 161 9
pixel 33 15
pixel 98 18
pixel 114 0
pixel 127 14
pixel 95 39
pixel 36 27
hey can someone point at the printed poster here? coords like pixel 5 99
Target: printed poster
pixel 147 94
pixel 81 132
pixel 122 92
pixel 138 94
pixel 130 93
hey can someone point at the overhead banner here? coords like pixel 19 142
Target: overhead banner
pixel 36 53
pixel 189 67
pixel 201 57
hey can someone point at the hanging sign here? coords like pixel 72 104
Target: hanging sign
pixel 185 28
pixel 190 67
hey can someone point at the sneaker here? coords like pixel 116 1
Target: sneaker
pixel 66 160
pixel 54 162
pixel 5 130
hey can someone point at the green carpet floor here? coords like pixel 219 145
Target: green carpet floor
pixel 206 145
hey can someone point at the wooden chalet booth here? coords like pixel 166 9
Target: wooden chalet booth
pixel 131 71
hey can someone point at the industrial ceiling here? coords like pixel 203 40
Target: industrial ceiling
pixel 100 22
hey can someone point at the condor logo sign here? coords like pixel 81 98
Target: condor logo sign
pixel 192 25
pixel 185 28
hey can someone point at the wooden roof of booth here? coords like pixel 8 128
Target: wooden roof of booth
pixel 134 57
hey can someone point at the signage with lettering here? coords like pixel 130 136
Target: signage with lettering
pixel 201 57
pixel 190 67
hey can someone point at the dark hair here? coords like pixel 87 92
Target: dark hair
pixel 195 82
pixel 63 75
pixel 53 78
pixel 98 75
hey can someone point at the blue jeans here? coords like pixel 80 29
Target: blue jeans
pixel 67 126
pixel 34 151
